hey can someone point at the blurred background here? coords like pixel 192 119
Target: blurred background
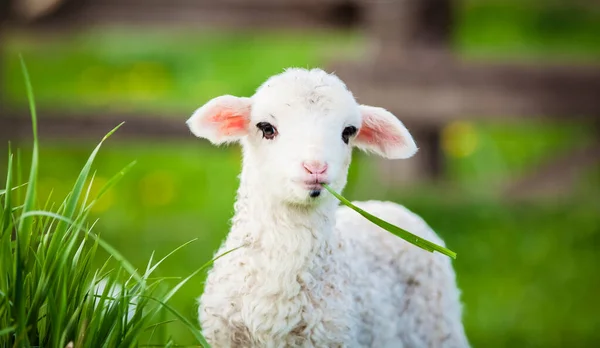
pixel 502 96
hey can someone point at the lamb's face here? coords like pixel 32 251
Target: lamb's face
pixel 298 131
pixel 300 135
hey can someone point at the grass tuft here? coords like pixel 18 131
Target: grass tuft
pixel 50 293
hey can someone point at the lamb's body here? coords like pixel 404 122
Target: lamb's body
pixel 358 286
pixel 308 273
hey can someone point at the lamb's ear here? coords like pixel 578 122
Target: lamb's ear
pixel 223 119
pixel 381 132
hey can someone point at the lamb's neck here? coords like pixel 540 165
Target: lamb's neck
pixel 288 239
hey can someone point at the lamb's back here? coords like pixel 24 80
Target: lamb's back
pixel 406 293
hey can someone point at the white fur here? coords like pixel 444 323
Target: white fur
pixel 311 273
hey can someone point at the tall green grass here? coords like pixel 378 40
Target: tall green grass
pixel 50 294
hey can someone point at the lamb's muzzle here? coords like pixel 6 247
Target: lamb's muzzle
pixel 313 274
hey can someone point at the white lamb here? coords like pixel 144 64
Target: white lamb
pixel 311 273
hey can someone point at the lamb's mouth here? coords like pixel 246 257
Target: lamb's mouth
pixel 315 189
pixel 314 193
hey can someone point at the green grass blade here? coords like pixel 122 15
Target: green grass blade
pixel 204 266
pixel 19 173
pixel 6 255
pixel 87 192
pixel 24 226
pixel 149 265
pixel 3 191
pixel 154 326
pixel 150 270
pixel 407 236
pixel 7 331
pixel 6 214
pixel 79 184
pixel 176 288
pixel 120 258
pixel 111 182
pixel 115 179
pixel 111 250
pixel 197 334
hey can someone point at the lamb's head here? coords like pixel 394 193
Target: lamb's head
pixel 298 130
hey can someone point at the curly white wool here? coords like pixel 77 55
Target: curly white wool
pixel 311 273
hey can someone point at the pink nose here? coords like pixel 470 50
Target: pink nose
pixel 315 167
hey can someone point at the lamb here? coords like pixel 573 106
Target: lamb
pixel 309 273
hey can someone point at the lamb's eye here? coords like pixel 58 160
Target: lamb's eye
pixel 347 133
pixel 268 130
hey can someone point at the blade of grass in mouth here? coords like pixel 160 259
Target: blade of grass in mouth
pixel 407 236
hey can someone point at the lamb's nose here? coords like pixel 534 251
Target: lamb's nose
pixel 315 167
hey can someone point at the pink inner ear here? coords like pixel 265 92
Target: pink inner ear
pixel 230 121
pixel 378 132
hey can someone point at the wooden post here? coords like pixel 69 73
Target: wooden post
pixel 427 164
pixel 404 29
pixel 414 33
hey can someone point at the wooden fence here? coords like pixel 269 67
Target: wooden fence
pixel 410 69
